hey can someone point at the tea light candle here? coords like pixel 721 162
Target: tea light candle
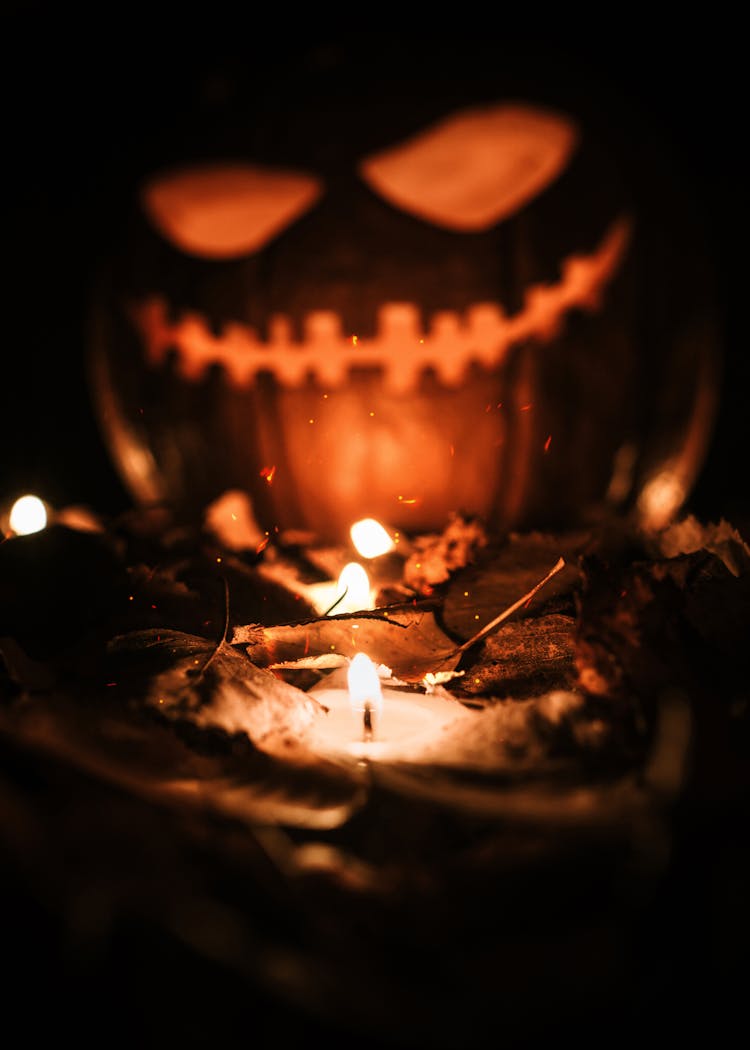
pixel 365 720
pixel 353 592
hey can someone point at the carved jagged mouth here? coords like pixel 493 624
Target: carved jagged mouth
pixel 399 348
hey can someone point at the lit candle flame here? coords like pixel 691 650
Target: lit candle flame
pixel 370 538
pixel 364 684
pixel 349 594
pixel 354 587
pixel 27 515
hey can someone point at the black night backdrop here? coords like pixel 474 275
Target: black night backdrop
pixel 86 107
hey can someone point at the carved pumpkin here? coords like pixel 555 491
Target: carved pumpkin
pixel 457 314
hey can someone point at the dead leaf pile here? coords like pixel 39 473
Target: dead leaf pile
pixel 434 557
pixel 156 772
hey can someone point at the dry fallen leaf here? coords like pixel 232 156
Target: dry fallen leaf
pixel 436 556
pixel 500 575
pixel 185 767
pixel 408 638
pixel 690 535
pixel 185 676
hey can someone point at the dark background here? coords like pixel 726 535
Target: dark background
pixel 88 103
pixel 90 98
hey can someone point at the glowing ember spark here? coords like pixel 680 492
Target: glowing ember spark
pixel 268 473
pixel 27 515
pixel 401 499
pixel 364 684
pixel 525 408
pixel 370 539
pixel 547 443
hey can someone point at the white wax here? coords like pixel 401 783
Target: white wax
pixel 407 722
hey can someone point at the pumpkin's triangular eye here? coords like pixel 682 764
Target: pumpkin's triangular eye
pixel 223 211
pixel 476 167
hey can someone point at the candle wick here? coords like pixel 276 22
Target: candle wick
pixel 338 601
pixel 368 732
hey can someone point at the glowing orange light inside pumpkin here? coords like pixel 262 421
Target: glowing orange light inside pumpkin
pixel 364 684
pixel 370 539
pixel 660 498
pixel 28 514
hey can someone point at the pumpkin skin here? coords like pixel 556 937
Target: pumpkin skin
pixel 595 397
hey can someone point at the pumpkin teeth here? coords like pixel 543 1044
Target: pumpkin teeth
pixel 400 347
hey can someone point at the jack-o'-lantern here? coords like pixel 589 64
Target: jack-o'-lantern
pixel 454 311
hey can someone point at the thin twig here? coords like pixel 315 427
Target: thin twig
pixel 442 657
pixel 511 608
pixel 201 671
